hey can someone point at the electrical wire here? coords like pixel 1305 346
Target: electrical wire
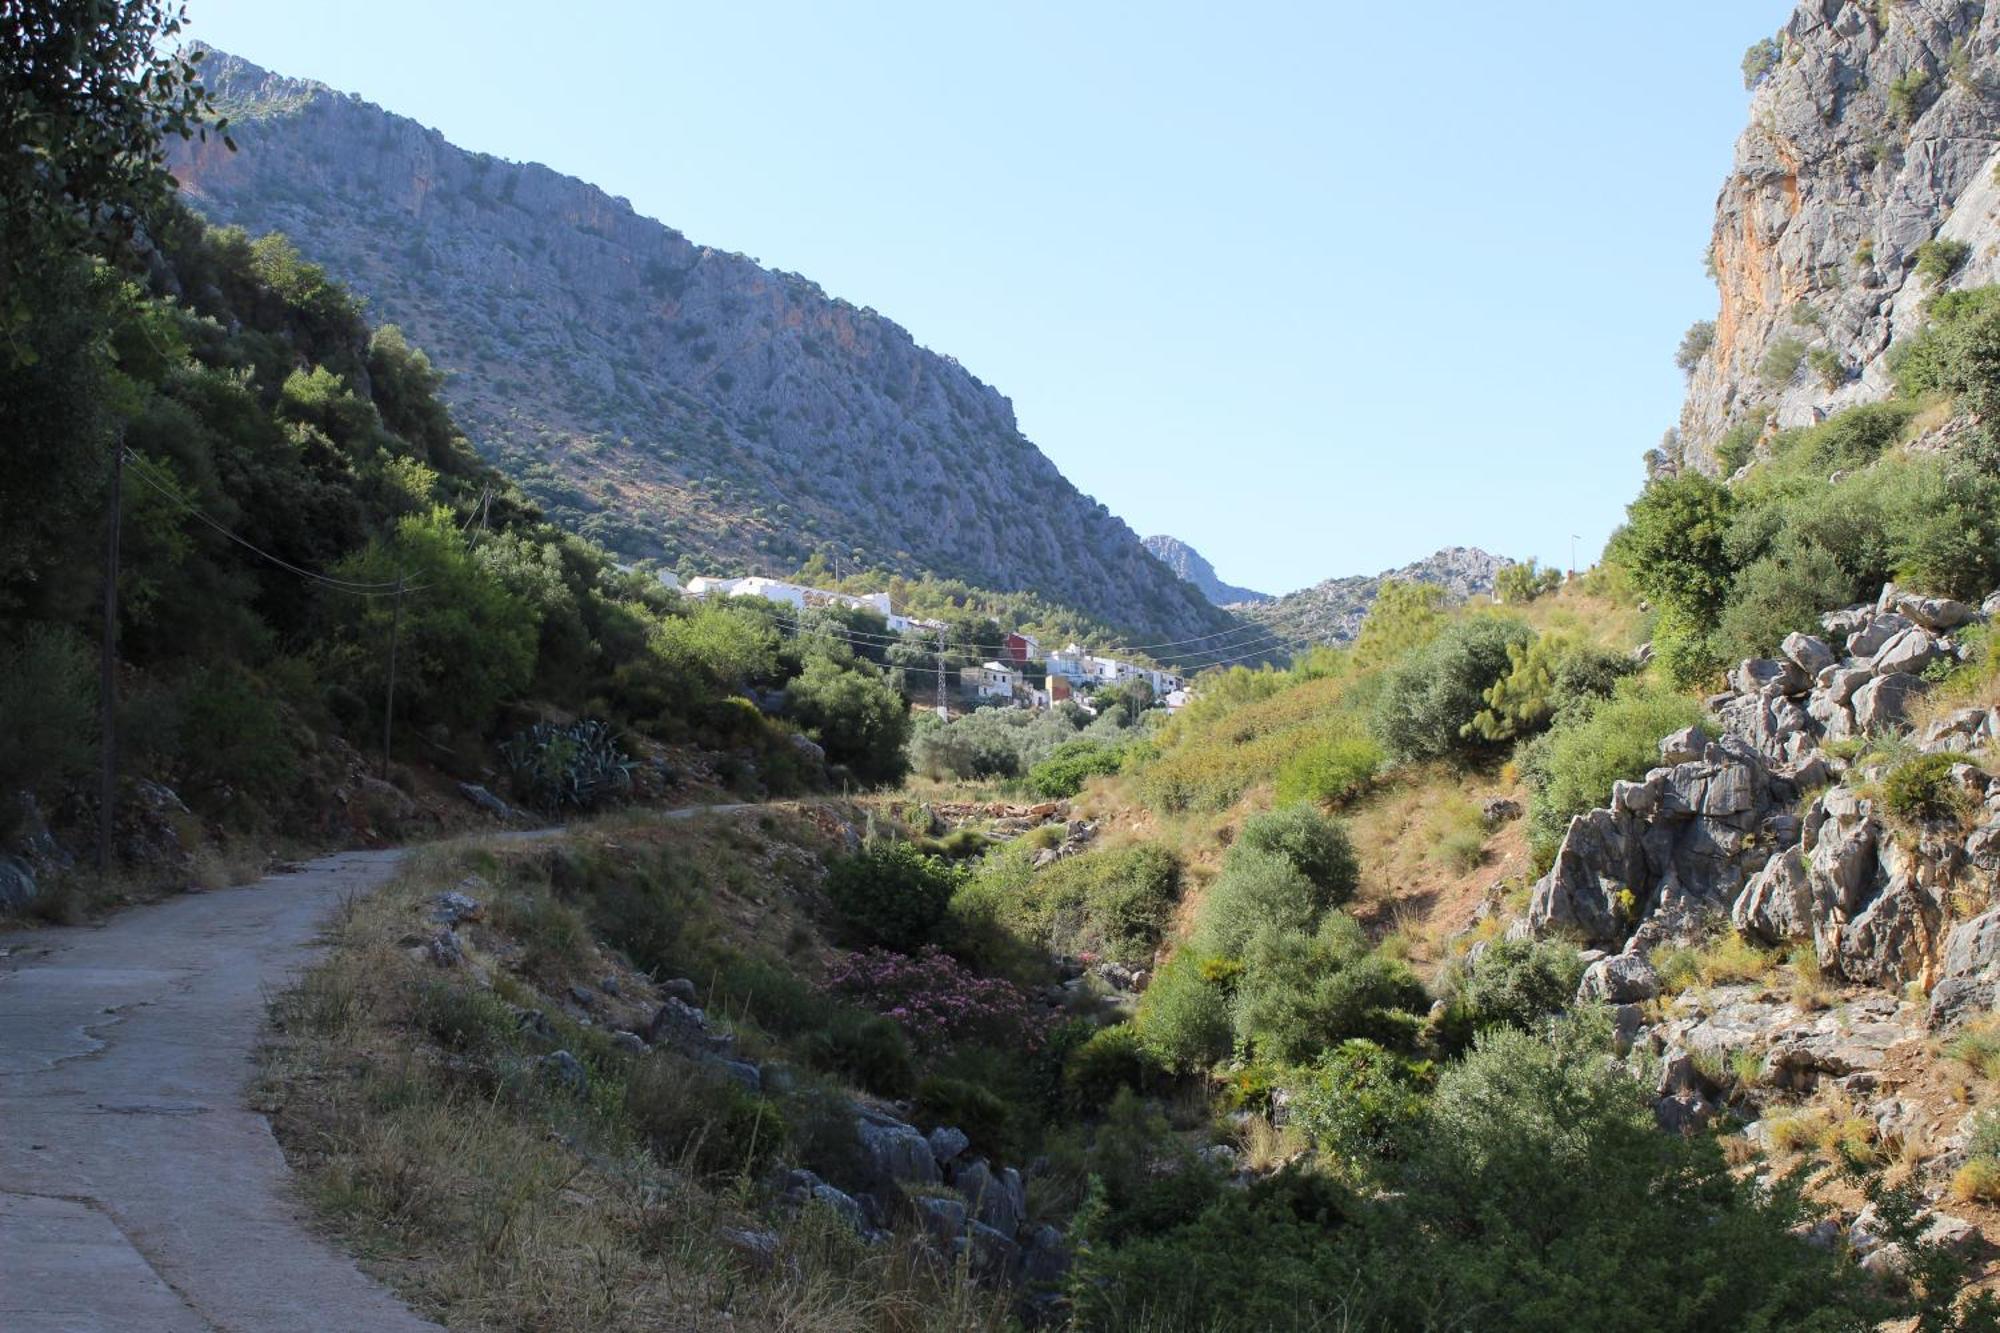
pixel 391 588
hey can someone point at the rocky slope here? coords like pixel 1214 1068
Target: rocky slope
pixel 1873 131
pixel 665 398
pixel 1332 611
pixel 1190 565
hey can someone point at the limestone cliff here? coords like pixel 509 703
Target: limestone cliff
pixel 1873 131
pixel 1189 564
pixel 665 398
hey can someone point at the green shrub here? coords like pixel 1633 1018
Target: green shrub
pixel 1904 93
pixel 867 1048
pixel 1516 983
pixel 1776 594
pixel 1112 1058
pixel 1360 1102
pixel 891 894
pixel 48 714
pixel 985 1117
pixel 1694 345
pixel 576 765
pixel 1571 768
pixel 1938 259
pixel 1781 361
pixel 462 1019
pixel 1183 1019
pixel 1429 700
pixel 857 717
pixel 1256 888
pixel 1550 677
pixel 1330 772
pixel 1300 993
pixel 1314 845
pixel 691 1117
pixel 1114 902
pixel 1921 790
pixel 1063 773
pixel 1734 446
pixel 1827 365
pixel 1760 60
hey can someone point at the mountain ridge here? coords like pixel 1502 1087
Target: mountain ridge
pixel 1190 565
pixel 1331 611
pixel 672 401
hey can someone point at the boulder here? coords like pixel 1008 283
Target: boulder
pixel 758 1250
pixel 997 1198
pixel 1868 639
pixel 566 1072
pixel 1761 675
pixel 1844 681
pixel 1935 613
pixel 491 804
pixel 1045 1261
pixel 1684 746
pixel 943 1220
pixel 840 1203
pixel 444 948
pixel 1968 973
pixel 1884 701
pixel 893 1152
pixel 1776 905
pixel 1909 652
pixel 455 905
pixel 1810 654
pixel 1496 810
pixel 740 1072
pixel 948 1143
pixel 1625 978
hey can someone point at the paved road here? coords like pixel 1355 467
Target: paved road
pixel 137 1189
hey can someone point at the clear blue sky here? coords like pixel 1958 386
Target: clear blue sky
pixel 1317 287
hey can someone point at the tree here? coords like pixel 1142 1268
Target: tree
pixel 1694 345
pixel 855 714
pixel 1429 700
pixel 89 91
pixel 1673 544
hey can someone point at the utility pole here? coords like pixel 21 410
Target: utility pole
pixel 942 709
pixel 389 704
pixel 107 686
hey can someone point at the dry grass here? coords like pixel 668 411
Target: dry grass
pixel 490 1200
pixel 1266 1147
pixel 1729 960
pixel 1977 1046
pixel 1978 1181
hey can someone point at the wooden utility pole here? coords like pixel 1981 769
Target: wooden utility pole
pixel 389 703
pixel 107 685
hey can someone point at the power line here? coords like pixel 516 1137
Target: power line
pixel 388 588
pixel 1252 635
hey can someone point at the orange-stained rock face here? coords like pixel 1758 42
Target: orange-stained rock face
pixel 1832 191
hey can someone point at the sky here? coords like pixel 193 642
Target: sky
pixel 1318 288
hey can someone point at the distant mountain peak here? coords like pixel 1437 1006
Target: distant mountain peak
pixel 1188 564
pixel 1332 611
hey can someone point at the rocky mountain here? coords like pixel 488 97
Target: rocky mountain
pixel 1332 611
pixel 1189 564
pixel 666 398
pixel 1867 182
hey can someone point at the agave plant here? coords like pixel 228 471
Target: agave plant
pixel 578 765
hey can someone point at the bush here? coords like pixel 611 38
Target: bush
pixel 1360 1102
pixel 1938 259
pixel 1112 1058
pixel 689 1116
pixel 1314 845
pixel 1922 790
pixel 856 716
pixel 939 1003
pixel 890 894
pixel 985 1118
pixel 1063 773
pixel 1735 445
pixel 1694 345
pixel 1904 93
pixel 48 714
pixel 1254 889
pixel 1330 772
pixel 867 1048
pixel 1781 361
pixel 1300 993
pixel 1551 675
pixel 1571 768
pixel 1827 365
pixel 1516 983
pixel 1183 1019
pixel 1760 60
pixel 576 765
pixel 1429 701
pixel 1114 902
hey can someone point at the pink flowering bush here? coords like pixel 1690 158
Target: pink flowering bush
pixel 939 1003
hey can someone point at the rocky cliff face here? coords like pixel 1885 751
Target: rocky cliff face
pixel 1189 565
pixel 1332 611
pixel 1873 131
pixel 668 399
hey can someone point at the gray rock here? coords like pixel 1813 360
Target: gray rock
pixel 490 803
pixel 1936 613
pixel 1046 1259
pixel 679 988
pixel 1869 639
pixel 947 1143
pixel 893 1151
pixel 629 1043
pixel 1624 978
pixel 1684 746
pixel 778 1079
pixel 740 1072
pixel 1775 907
pixel 839 1202
pixel 997 1198
pixel 444 948
pixel 1495 810
pixel 1909 652
pixel 994 1253
pixel 685 1028
pixel 1844 681
pixel 18 889
pixel 455 906
pixel 943 1220
pixel 1759 675
pixel 1969 972
pixel 757 1249
pixel 566 1072
pixel 1884 701
pixel 1811 655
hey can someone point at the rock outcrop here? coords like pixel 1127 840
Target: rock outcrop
pixel 1716 827
pixel 1873 131
pixel 1332 611
pixel 1189 564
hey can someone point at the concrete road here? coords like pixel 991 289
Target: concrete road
pixel 137 1190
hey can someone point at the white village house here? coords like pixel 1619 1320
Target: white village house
pixel 991 680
